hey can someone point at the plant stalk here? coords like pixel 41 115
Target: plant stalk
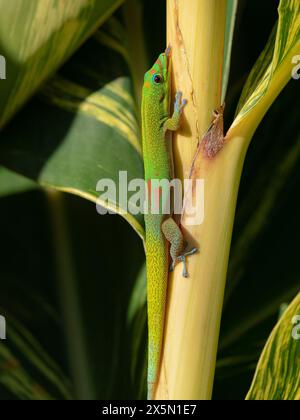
pixel 196 31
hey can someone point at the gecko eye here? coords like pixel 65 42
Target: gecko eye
pixel 157 79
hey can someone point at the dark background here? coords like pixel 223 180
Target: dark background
pixel 107 255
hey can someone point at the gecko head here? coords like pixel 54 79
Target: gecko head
pixel 157 81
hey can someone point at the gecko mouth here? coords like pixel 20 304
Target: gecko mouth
pixel 162 98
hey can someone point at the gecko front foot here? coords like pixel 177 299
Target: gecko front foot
pixel 179 103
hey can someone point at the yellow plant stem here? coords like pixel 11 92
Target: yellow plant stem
pixel 196 32
pixel 195 305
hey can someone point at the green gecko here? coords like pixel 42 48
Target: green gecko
pixel 163 236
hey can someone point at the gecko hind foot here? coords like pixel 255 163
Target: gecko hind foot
pixel 172 267
pixel 182 258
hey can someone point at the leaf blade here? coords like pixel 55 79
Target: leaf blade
pixel 273 68
pixel 36 38
pixel 278 372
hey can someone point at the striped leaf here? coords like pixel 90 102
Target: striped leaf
pixel 21 350
pixel 36 37
pixel 274 67
pixel 229 31
pixel 278 372
pixel 17 380
pixel 87 130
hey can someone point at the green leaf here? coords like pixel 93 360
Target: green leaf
pixel 86 130
pixel 230 25
pixel 137 323
pixel 139 296
pixel 278 372
pixel 274 67
pixel 37 37
pixel 17 380
pixel 12 183
pixel 22 350
pixel 106 268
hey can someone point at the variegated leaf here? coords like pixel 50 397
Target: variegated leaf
pixel 278 372
pixel 274 67
pixel 87 130
pixel 36 37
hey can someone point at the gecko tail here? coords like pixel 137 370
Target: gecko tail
pixel 157 279
pixel 151 390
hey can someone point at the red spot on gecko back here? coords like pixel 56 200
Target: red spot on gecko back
pixel 155 193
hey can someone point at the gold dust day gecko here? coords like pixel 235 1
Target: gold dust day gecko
pixel 164 238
